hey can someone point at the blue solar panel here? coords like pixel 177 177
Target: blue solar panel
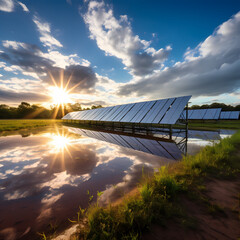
pixel 164 111
pixel 123 112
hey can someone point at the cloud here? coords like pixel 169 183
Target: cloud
pixel 12 96
pixel 45 33
pixel 6 5
pixel 24 7
pixel 81 78
pixel 115 38
pixel 212 68
pixel 30 60
pixel 9 5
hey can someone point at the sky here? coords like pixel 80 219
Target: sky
pixel 117 51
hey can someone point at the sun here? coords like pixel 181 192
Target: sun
pixel 59 96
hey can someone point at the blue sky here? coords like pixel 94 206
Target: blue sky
pixel 120 51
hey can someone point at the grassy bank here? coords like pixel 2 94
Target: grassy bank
pixel 159 199
pixel 17 124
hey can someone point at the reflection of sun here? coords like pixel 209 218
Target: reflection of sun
pixel 60 142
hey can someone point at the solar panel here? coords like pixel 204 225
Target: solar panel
pixel 210 113
pixel 143 111
pixel 174 112
pixel 164 111
pixel 206 114
pixel 123 112
pixel 234 115
pixel 131 114
pixel 230 115
pixel 154 111
pixel 109 114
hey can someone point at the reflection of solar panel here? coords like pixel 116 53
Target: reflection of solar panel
pixel 230 115
pixel 164 111
pixel 160 148
pixel 203 114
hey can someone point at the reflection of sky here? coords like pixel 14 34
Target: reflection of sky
pixel 45 177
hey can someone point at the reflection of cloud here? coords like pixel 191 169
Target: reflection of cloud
pixel 130 180
pixel 46 184
pixel 15 195
pixel 9 233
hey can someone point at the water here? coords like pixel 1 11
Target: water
pixel 45 174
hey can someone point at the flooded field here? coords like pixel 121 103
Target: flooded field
pixel 45 175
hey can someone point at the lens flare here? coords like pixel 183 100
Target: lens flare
pixel 59 96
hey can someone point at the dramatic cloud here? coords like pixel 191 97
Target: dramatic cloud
pixel 9 5
pixel 30 60
pixel 81 78
pixel 45 33
pixel 115 38
pixel 212 68
pixel 13 97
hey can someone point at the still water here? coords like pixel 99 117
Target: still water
pixel 45 174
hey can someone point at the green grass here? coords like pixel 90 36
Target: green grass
pixel 17 124
pixel 158 198
pixel 231 124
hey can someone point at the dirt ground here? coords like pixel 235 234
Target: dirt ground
pixel 222 225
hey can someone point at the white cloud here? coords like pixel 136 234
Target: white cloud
pixel 45 33
pixel 24 7
pixel 115 38
pixel 7 5
pixel 211 69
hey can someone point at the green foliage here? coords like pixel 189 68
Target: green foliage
pixel 217 105
pixel 42 235
pixel 27 111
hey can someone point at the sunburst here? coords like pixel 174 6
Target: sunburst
pixel 60 93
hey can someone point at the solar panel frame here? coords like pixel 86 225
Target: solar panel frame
pixel 117 112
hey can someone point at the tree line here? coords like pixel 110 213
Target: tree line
pixel 217 105
pixel 26 110
pixel 35 111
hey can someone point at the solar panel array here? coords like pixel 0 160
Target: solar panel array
pixel 160 148
pixel 164 111
pixel 230 115
pixel 203 114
